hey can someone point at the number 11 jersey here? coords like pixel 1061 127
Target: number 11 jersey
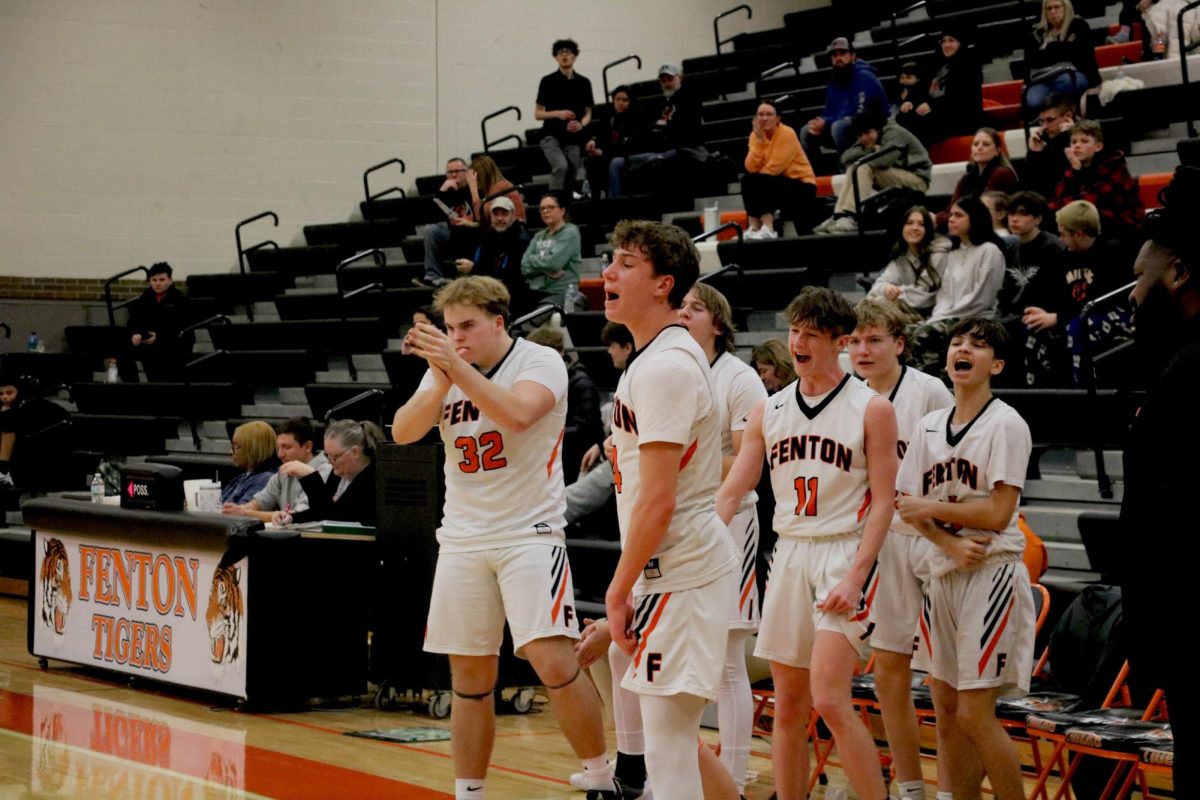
pixel 816 451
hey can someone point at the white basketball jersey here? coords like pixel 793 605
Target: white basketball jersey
pixel 956 466
pixel 666 395
pixel 818 460
pixel 916 394
pixel 738 389
pixel 505 487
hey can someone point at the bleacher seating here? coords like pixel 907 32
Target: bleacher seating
pixel 353 335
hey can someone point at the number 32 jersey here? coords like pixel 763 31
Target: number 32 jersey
pixel 502 487
pixel 818 460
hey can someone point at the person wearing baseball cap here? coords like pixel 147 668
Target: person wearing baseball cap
pixel 853 88
pixel 501 246
pixel 676 122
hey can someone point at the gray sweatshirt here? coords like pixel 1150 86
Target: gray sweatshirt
pixel 971 282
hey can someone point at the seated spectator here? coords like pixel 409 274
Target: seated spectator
pixel 551 262
pixel 1162 29
pixel 675 127
pixel 909 167
pixel 1059 55
pixel 1102 178
pixel 955 102
pixel 347 494
pixel 989 170
pixel 427 314
pixel 778 175
pixel 457 234
pixel 914 275
pixel 853 88
pixel 156 319
pixel 36 463
pixel 611 138
pixel 564 105
pixel 1089 268
pixel 293 442
pixel 583 429
pixel 997 205
pixel 1049 141
pixel 910 87
pixel 773 361
pixel 488 184
pixel 971 282
pixel 502 245
pixel 1036 250
pixel 253 451
pixel 10 427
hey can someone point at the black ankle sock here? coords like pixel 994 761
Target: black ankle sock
pixel 631 770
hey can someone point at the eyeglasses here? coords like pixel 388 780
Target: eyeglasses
pixel 1046 120
pixel 548 208
pixel 333 457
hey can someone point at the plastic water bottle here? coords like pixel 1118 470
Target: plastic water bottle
pixel 1158 46
pixel 35 342
pixel 573 300
pixel 97 488
pixel 110 371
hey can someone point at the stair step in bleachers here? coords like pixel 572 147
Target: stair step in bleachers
pixel 259 367
pixel 585 327
pixel 234 287
pixel 392 275
pixel 298 260
pixel 368 376
pixel 353 335
pixel 185 444
pixel 258 410
pixel 197 400
pixel 404 372
pixel 415 210
pixel 861 252
pixel 50 368
pixel 396 305
pixel 767 288
pixel 123 434
pixel 360 234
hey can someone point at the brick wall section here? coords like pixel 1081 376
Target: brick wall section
pixel 82 289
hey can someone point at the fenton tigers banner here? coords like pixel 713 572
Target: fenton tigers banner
pixel 157 611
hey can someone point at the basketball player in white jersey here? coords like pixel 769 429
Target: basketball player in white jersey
pixel 875 349
pixel 830 443
pixel 671 594
pixel 708 317
pixel 500 405
pixel 959 485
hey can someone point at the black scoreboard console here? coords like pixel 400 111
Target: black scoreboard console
pixel 152 487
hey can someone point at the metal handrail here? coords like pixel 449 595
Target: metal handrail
pixel 709 234
pixel 237 233
pixel 610 65
pixel 375 253
pixel 717 37
pixel 1088 375
pixel 859 164
pixel 356 399
pixel 716 273
pixel 717 24
pixel 487 146
pixel 7 330
pixel 366 186
pixel 204 323
pixel 1183 59
pixel 540 311
pixel 895 42
pixel 112 319
pixel 792 65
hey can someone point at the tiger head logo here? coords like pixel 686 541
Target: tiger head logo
pixel 224 615
pixel 56 586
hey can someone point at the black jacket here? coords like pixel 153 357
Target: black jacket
pixel 357 503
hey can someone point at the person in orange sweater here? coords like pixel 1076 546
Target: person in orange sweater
pixel 778 175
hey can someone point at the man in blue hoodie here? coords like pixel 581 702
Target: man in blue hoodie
pixel 853 90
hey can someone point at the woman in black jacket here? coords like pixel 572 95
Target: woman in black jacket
pixel 1059 55
pixel 955 100
pixel 348 494
pixel 611 138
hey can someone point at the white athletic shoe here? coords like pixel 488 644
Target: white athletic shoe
pixel 766 233
pixel 752 233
